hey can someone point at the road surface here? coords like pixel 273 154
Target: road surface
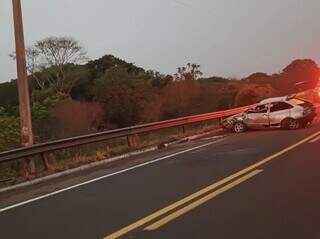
pixel 263 184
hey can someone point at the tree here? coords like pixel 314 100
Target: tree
pixel 178 98
pixel 300 75
pixel 43 121
pixel 9 95
pixel 214 95
pixel 179 95
pixel 216 79
pixel 188 72
pixel 94 70
pixel 32 64
pixel 253 93
pixel 124 95
pixel 258 78
pixel 159 80
pixel 49 62
pixel 98 67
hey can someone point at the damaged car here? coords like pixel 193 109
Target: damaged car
pixel 279 112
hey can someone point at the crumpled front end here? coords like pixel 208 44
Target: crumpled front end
pixel 228 123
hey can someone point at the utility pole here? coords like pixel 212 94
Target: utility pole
pixel 23 87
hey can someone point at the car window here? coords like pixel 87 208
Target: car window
pixel 260 109
pixel 280 106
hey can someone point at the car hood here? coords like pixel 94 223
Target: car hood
pixel 239 116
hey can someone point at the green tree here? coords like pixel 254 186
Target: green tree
pixel 43 102
pixel 125 95
pixel 49 62
pixel 9 131
pixel 9 96
pixel 98 67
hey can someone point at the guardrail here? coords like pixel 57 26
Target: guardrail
pixel 44 148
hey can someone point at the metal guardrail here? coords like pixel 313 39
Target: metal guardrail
pixel 42 149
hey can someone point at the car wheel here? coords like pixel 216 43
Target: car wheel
pixel 239 127
pixel 293 124
pixel 289 124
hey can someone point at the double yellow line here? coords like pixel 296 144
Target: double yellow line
pixel 177 209
pixel 201 201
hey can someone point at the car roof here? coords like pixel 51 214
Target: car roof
pixel 273 100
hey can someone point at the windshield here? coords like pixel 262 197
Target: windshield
pixel 296 101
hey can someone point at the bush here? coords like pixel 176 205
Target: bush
pixel 9 132
pixel 89 118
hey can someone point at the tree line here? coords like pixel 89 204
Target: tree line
pixel 72 95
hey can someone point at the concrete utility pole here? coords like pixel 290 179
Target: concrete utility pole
pixel 23 87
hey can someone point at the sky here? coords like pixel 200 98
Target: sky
pixel 230 38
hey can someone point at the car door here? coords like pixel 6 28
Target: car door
pixel 258 118
pixel 278 112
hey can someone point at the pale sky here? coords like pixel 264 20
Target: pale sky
pixel 231 38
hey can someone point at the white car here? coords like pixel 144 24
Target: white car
pixel 280 112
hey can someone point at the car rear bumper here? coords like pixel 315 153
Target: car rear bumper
pixel 308 118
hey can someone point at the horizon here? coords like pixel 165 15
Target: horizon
pixel 203 76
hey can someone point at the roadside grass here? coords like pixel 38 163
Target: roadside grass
pixel 12 173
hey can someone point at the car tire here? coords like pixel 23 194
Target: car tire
pixel 239 127
pixel 290 124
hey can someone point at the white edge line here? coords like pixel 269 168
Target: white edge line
pixel 77 169
pixel 105 176
pixel 314 140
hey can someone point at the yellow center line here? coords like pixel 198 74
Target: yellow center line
pixel 189 198
pixel 315 140
pixel 173 206
pixel 201 201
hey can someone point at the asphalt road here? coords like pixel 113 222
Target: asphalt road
pixel 262 184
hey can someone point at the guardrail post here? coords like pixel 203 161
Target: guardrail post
pixel 183 129
pixel 28 167
pixel 133 141
pixel 45 160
